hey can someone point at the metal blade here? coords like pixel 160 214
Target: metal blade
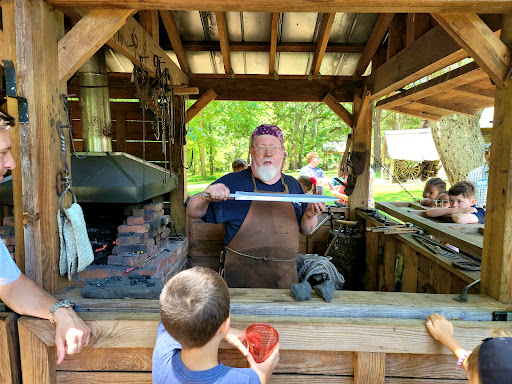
pixel 293 198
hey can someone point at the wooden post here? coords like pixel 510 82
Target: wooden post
pixel 369 367
pixel 178 158
pixel 497 253
pixel 362 142
pixel 9 349
pixel 40 27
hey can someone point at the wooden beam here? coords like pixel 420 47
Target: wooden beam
pixel 396 36
pixel 200 104
pixel 99 25
pixel 348 6
pixel 174 37
pixel 497 257
pixel 431 52
pixel 478 40
pixel 178 166
pixel 149 21
pixel 378 32
pixel 475 92
pixel 446 82
pixel 273 43
pixel 181 91
pixel 447 108
pixel 338 109
pixel 2 49
pixel 214 46
pixel 224 40
pixel 37 79
pixel 10 372
pixel 139 47
pixel 409 29
pixel 365 101
pixel 414 113
pixel 323 39
pixel 369 367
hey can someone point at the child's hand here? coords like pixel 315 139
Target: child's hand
pixel 440 328
pixel 235 337
pixel 265 369
pixel 469 210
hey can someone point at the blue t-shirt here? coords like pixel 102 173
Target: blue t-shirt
pixel 233 212
pixel 169 369
pixel 480 214
pixel 9 271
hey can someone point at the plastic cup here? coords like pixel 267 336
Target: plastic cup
pixel 261 341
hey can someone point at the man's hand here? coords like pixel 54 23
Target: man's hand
pixel 216 192
pixel 314 209
pixel 71 333
pixel 265 369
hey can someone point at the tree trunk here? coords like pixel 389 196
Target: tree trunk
pixel 459 144
pixel 201 148
pixel 377 139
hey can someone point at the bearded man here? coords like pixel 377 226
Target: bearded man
pixel 262 237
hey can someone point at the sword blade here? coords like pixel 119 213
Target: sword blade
pixel 292 198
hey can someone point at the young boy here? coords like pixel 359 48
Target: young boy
pixel 462 205
pixel 239 165
pixel 194 307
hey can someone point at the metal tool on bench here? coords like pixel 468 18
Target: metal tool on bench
pixel 397 229
pixel 463 297
pixel 330 216
pixel 292 198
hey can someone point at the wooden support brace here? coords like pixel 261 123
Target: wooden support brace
pixel 338 109
pixel 478 40
pixel 224 40
pixel 99 25
pixel 181 91
pixel 364 107
pixel 200 104
pixel 139 47
pixel 273 43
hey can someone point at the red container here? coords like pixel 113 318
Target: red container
pixel 261 341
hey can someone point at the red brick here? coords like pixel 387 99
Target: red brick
pixel 136 238
pixel 165 233
pixel 150 215
pixel 99 272
pixel 165 219
pixel 115 260
pixel 138 212
pixel 141 228
pixel 9 221
pixel 153 207
pixel 135 220
pixel 134 260
pixel 142 247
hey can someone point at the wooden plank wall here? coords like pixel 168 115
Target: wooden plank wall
pixel 206 241
pixel 9 349
pixel 313 350
pixel 127 131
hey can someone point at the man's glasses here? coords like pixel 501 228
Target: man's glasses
pixel 262 149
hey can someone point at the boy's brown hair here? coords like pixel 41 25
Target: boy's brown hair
pixel 464 188
pixel 193 306
pixel 306 184
pixel 239 165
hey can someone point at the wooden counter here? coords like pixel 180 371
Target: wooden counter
pixel 360 337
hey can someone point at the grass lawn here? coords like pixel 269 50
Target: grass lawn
pixel 382 189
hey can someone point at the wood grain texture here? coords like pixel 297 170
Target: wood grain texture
pixel 338 109
pixel 98 25
pixel 369 367
pixel 10 372
pixel 200 104
pixel 350 6
pixel 224 40
pixel 273 43
pixel 174 37
pixel 321 44
pixel 38 361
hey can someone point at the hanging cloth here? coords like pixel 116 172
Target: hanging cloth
pixel 75 248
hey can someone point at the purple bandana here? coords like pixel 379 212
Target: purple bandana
pixel 267 129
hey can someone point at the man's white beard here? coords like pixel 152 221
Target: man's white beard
pixel 267 172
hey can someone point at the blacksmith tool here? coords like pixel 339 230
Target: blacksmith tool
pixel 463 297
pixel 342 223
pixel 398 229
pixel 291 198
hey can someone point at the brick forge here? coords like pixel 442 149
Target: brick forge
pixel 143 247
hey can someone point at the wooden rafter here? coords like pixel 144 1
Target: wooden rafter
pixel 467 74
pixel 200 104
pixel 414 113
pixel 135 43
pixel 338 109
pixel 273 43
pixel 224 40
pixel 174 37
pixel 323 39
pixel 380 28
pixel 266 47
pixel 2 52
pixel 365 102
pixel 326 6
pixel 99 25
pixel 409 29
pixel 431 52
pixel 479 41
pixel 446 108
pixel 181 91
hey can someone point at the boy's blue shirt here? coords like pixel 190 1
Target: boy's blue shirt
pixel 169 369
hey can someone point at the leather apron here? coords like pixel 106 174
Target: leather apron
pixel 263 252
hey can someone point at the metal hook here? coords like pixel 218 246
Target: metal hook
pixel 68 189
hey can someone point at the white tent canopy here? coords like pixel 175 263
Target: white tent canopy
pixel 411 144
